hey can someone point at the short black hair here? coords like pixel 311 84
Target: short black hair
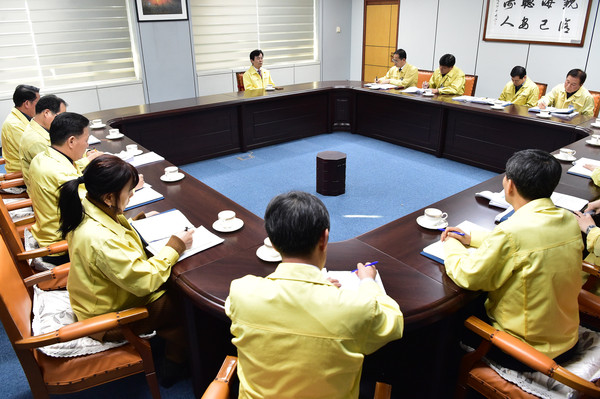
pixel 578 73
pixel 295 221
pixel 518 71
pixel 535 173
pixel 401 53
pixel 447 60
pixel 24 93
pixel 256 53
pixel 49 102
pixel 66 125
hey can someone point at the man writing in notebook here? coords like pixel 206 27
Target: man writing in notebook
pixel 520 90
pixel 530 265
pixel 401 74
pixel 447 79
pixel 297 334
pixel 571 93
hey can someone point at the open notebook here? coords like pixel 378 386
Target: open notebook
pixel 348 279
pixel 435 251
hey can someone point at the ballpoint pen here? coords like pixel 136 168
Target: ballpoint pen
pixel 368 264
pixel 455 232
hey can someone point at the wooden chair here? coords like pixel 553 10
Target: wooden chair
pixel 239 76
pixel 424 76
pixel 475 374
pixel 596 95
pixel 50 375
pixel 9 176
pixel 542 87
pixel 470 84
pixel 12 237
pixel 220 387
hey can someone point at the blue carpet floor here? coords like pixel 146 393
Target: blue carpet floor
pixel 383 183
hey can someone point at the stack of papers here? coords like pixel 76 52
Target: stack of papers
pixel 413 89
pixel 553 110
pixel 565 201
pixel 380 86
pixel 435 251
pixel 144 159
pixel 348 279
pixel 579 170
pixel 156 231
pixel 93 140
pixel 482 100
pixel 143 196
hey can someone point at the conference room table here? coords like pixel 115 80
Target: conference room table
pixel 193 129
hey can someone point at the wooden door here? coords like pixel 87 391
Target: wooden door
pixel 380 37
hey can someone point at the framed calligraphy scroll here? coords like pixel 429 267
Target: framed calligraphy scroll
pixel 558 22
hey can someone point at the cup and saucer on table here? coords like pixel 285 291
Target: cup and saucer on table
pixel 594 140
pixel 433 219
pixel 114 134
pixel 172 174
pixel 428 93
pixel 544 114
pixel 227 222
pixel 133 149
pixel 270 88
pixel 497 105
pixel 565 154
pixel 596 124
pixel 267 253
pixel 97 124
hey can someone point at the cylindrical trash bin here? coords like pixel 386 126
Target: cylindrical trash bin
pixel 331 173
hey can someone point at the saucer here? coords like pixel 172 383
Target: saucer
pixel 269 89
pixel 235 225
pixel 136 152
pixel 497 107
pixel 428 94
pixel 175 177
pixel 115 136
pixel 100 126
pixel 594 124
pixel 565 158
pixel 544 116
pixel 421 222
pixel 594 143
pixel 268 255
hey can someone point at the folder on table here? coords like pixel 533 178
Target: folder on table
pixel 578 170
pixel 143 196
pixel 435 251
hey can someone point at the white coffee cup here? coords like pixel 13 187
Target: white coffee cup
pixel 596 138
pixel 96 122
pixel 269 87
pixel 113 132
pixel 567 152
pixel 131 147
pixel 598 121
pixel 269 246
pixel 171 170
pixel 544 113
pixel 226 218
pixel 434 216
pixel 428 92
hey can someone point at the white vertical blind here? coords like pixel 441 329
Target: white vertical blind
pixel 58 43
pixel 226 31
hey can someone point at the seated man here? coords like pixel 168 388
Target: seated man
pixel 401 74
pixel 530 264
pixel 36 138
pixel 297 334
pixel 520 90
pixel 447 79
pixel 51 168
pixel 571 93
pixel 257 77
pixel 25 98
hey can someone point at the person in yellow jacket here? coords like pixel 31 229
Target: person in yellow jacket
pixel 530 264
pixel 447 79
pixel 110 270
pixel 401 74
pixel 25 98
pixel 257 77
pixel 36 138
pixel 570 93
pixel 51 168
pixel 297 334
pixel 520 90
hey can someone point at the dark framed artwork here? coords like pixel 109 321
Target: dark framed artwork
pixel 161 10
pixel 555 22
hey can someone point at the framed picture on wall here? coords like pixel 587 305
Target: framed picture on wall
pixel 161 10
pixel 557 22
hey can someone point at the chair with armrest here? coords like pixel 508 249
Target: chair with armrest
pixel 239 77
pixel 54 375
pixel 542 87
pixel 470 84
pixel 596 96
pixel 10 233
pixel 476 374
pixel 219 388
pixel 424 76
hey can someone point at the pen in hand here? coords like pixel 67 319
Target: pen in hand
pixel 368 264
pixel 455 232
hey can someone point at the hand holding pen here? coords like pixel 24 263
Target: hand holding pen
pixel 455 232
pixel 366 271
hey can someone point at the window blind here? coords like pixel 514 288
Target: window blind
pixel 58 43
pixel 226 31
